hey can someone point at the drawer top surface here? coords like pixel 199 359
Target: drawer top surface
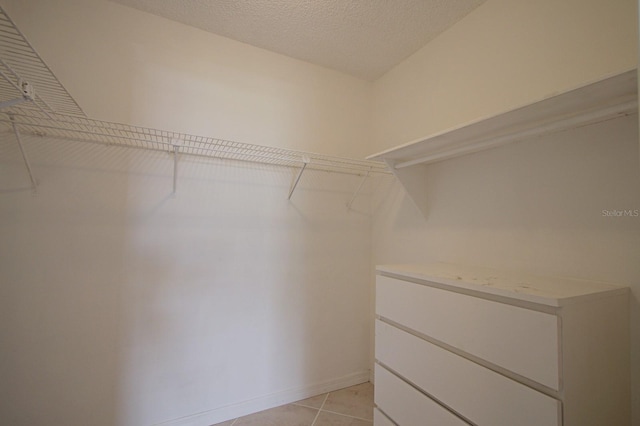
pixel 551 291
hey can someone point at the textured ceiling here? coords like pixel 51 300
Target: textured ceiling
pixel 364 38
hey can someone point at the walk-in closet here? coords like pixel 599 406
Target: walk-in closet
pixel 319 212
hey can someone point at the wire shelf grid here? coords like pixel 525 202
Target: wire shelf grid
pixel 103 132
pixel 53 112
pixel 20 62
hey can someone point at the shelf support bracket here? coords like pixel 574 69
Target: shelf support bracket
pixel 413 180
pixel 24 87
pixel 176 150
pixel 12 102
pixel 355 194
pixel 34 184
pixel 305 161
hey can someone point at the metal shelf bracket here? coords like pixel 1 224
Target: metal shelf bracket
pixel 355 194
pixel 305 161
pixel 34 184
pixel 13 102
pixel 176 150
pixel 26 89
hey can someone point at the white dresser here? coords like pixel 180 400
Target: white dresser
pixel 472 346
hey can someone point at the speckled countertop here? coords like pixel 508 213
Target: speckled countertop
pixel 551 291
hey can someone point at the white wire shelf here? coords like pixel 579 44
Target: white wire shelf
pixel 33 101
pixel 19 63
pixel 37 123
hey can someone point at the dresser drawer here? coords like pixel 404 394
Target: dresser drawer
pixel 477 393
pixel 521 340
pixel 406 406
pixel 380 419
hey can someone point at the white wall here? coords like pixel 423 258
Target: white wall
pixel 125 306
pixel 534 206
pixel 128 66
pixel 120 304
pixel 505 54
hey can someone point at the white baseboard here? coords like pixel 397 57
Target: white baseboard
pixel 228 412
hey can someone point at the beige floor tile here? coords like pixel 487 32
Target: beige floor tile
pixel 356 401
pixel 331 419
pixel 313 402
pixel 285 415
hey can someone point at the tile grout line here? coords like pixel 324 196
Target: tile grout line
pixel 305 406
pixel 347 415
pixel 320 409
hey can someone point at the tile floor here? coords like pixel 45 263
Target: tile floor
pixel 345 407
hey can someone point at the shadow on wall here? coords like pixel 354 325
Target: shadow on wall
pixel 61 272
pixel 124 305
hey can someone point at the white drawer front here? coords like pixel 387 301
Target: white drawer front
pixel 380 419
pixel 408 407
pixel 520 340
pixel 484 397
